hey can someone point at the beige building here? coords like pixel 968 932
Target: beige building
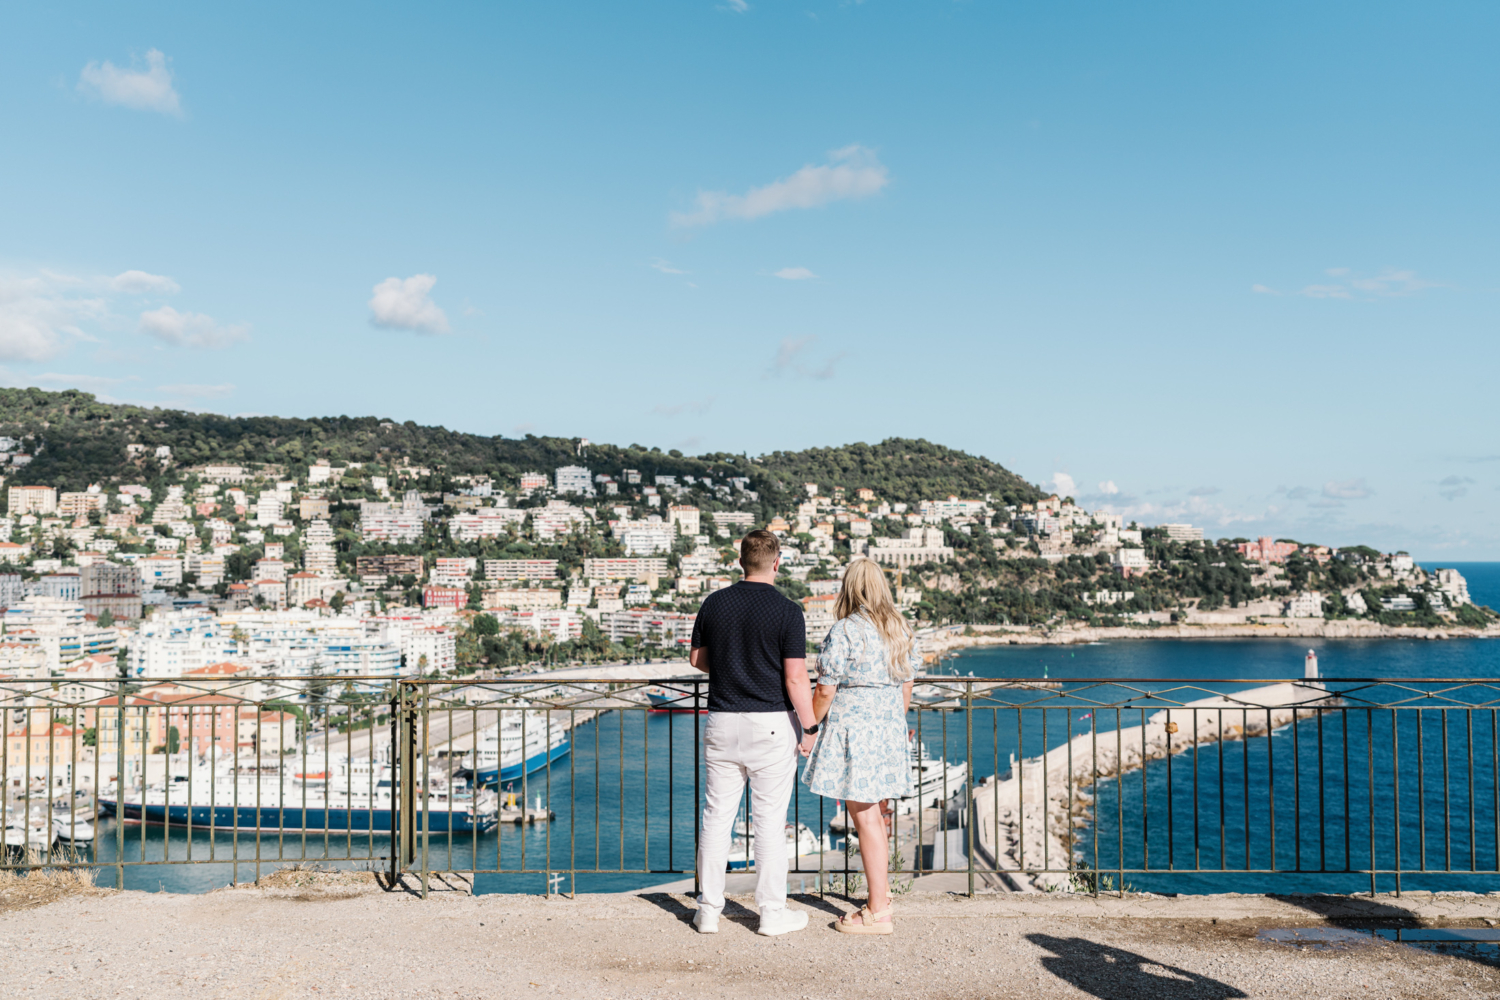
pixel 685 518
pixel 522 600
pixel 32 500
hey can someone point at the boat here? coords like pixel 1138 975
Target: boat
pixel 499 754
pixel 73 828
pixel 31 832
pixel 800 842
pixel 672 700
pixel 226 798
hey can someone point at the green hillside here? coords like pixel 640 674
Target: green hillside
pixel 76 440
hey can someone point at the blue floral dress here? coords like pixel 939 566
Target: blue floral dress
pixel 861 753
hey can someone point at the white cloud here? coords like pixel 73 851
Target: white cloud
pixel 852 172
pixel 149 89
pixel 188 329
pixel 795 274
pixel 786 354
pixel 665 267
pixel 1263 290
pixel 790 355
pixel 1063 485
pixel 1203 491
pixel 737 6
pixel 1326 292
pixel 1390 283
pixel 1453 487
pixel 38 316
pixel 140 283
pixel 195 391
pixel 403 304
pixel 1347 489
pixel 1108 488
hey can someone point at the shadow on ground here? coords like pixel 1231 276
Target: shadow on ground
pixel 1116 974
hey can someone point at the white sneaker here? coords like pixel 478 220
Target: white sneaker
pixel 781 920
pixel 706 920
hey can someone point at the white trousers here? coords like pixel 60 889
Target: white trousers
pixel 760 747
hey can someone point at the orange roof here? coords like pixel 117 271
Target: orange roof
pixel 217 669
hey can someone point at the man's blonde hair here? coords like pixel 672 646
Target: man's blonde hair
pixel 866 592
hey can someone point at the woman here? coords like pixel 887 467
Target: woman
pixel 864 688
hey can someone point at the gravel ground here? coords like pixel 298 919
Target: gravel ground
pixel 300 938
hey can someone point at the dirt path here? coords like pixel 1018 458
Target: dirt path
pixel 349 941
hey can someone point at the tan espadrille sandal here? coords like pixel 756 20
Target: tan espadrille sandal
pixel 867 922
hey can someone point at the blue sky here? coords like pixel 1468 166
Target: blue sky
pixel 1233 264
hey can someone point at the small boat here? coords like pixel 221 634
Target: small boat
pixel 74 828
pixel 800 842
pixel 672 700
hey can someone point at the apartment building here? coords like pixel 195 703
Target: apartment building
pixel 32 500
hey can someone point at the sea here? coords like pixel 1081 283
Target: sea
pixel 624 797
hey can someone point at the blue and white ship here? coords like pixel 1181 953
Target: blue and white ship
pixel 517 746
pixel 344 796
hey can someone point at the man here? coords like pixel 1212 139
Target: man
pixel 752 643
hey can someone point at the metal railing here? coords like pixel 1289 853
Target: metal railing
pixel 1079 785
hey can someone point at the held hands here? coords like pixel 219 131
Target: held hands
pixel 806 746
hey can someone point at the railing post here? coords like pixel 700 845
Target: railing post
pixel 969 756
pixel 395 786
pixel 406 782
pixel 120 786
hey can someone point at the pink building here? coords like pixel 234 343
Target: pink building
pixel 1267 550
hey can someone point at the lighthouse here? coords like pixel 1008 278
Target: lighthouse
pixel 1310 666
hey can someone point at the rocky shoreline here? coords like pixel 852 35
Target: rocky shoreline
pixel 944 642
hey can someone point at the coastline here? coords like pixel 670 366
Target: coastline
pixel 942 642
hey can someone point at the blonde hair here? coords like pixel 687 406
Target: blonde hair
pixel 866 592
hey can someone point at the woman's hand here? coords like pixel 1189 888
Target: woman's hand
pixel 809 740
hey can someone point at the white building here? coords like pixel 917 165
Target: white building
pixel 624 569
pixel 915 546
pixel 380 521
pixel 560 624
pixel 486 522
pixel 1305 605
pixel 1129 562
pixel 431 649
pixel 1183 532
pixel 556 519
pixel 645 538
pixel 574 479
pixel 520 569
pixel 268 509
pixel 1453 585
pixel 160 571
pixel 648 628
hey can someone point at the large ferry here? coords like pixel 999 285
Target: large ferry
pixel 343 796
pixel 670 700
pixel 516 747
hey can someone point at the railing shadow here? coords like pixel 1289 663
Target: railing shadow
pixel 1116 974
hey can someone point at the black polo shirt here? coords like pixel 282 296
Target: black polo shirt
pixel 748 629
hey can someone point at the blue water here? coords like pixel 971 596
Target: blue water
pixel 630 777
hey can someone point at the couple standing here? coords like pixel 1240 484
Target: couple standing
pixel 763 712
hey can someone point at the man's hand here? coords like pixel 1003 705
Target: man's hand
pixel 808 741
